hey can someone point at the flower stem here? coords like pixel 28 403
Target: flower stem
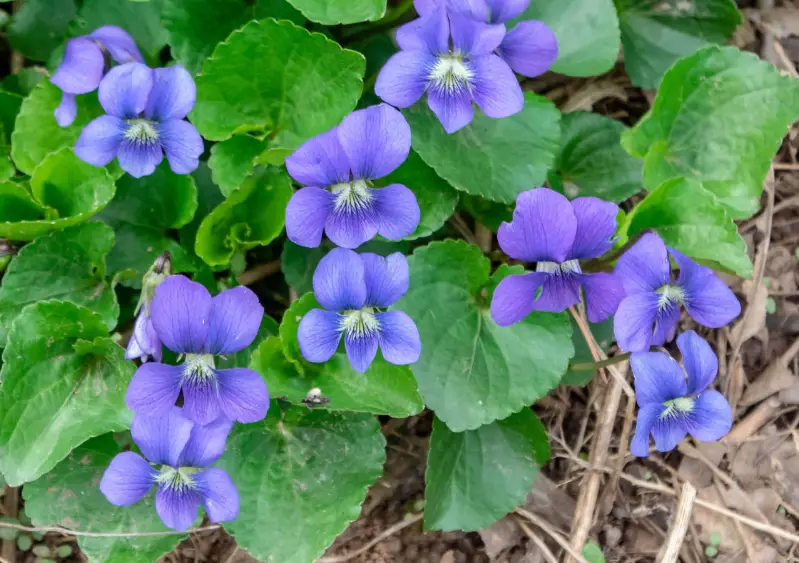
pixel 596 365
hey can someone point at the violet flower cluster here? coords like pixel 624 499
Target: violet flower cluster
pixel 145 108
pixel 555 234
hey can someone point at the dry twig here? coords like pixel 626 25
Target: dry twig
pixel 553 533
pixel 383 535
pixel 674 540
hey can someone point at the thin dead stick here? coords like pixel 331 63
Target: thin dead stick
pixel 460 225
pixel 68 532
pixel 609 496
pixel 484 237
pixel 545 551
pixel 753 421
pixel 260 272
pixel 671 549
pixel 552 532
pixel 10 508
pixel 385 534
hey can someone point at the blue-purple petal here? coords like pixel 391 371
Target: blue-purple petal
pixel 514 297
pixel 647 418
pixel 707 298
pixel 665 327
pixel 634 321
pixel 361 350
pixel 504 10
pixel 658 378
pixel 154 388
pixel 320 161
pixel 452 108
pixel 118 42
pixel 219 493
pixel 180 312
pixel 306 215
pixel 338 281
pixel 206 444
pixel 711 417
pixel 558 293
pixel 81 70
pixel 398 338
pixel 668 432
pixel 376 141
pixel 100 140
pixel 163 436
pixel 495 88
pixel 475 9
pixel 404 77
pixel 234 319
pixel 397 211
pixel 125 90
pixel 603 293
pixel 319 334
pixel 645 266
pixel 596 225
pixel 350 228
pixel 173 94
pixel 243 395
pixel 127 479
pixel 144 342
pixel 182 144
pixel 386 279
pixel 201 399
pixel 474 38
pixel 530 48
pixel 701 364
pixel 66 111
pixel 139 159
pixel 177 508
pixel 428 34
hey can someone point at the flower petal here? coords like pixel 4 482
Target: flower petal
pixel 474 38
pixel 320 161
pixel 139 159
pixel 66 111
pixel 144 342
pixel 647 418
pixel 318 335
pixel 220 496
pixel 306 215
pixel 398 338
pixel 182 144
pixel 154 388
pixel 125 89
pixel 100 140
pixel 338 281
pixel 162 437
pixel 707 298
pixel 397 211
pixel 496 89
pixel 475 9
pixel 645 266
pixel 603 293
pixel 403 79
pixel 127 479
pixel 172 95
pixel 201 399
pixel 177 508
pixel 376 140
pixel 701 364
pixel 386 278
pixel 634 321
pixel 234 320
pixel 82 68
pixel 558 293
pixel 658 378
pixel 453 109
pixel 350 228
pixel 668 432
pixel 243 395
pixel 514 297
pixel 180 312
pixel 118 42
pixel 530 48
pixel 665 324
pixel 711 417
pixel 361 350
pixel 596 225
pixel 504 10
pixel 206 444
pixel 428 34
pixel 542 230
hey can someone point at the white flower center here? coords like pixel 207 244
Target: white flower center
pixel 564 268
pixel 351 196
pixel 450 73
pixel 199 367
pixel 670 294
pixel 678 406
pixel 176 479
pixel 359 323
pixel 141 131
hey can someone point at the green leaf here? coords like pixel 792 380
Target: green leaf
pixel 72 262
pixel 603 333
pixel 320 83
pixel 718 118
pixel 23 81
pixel 298 264
pixel 37 134
pixel 489 213
pixel 655 33
pixel 302 476
pixel 7 169
pixel 493 158
pixel 208 197
pixel 40 26
pixel 10 104
pixel 476 477
pixel 334 13
pixel 471 371
pixel 253 215
pixel 64 382
pixel 233 159
pixel 587 31
pixel 142 212
pixel 69 496
pixel 593 553
pixel 195 27
pixel 437 199
pixel 241 359
pixel 592 162
pixel 690 219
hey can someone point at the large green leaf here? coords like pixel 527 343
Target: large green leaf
pixel 208 197
pixel 233 159
pixel 10 104
pixel 319 83
pixel 591 161
pixel 196 26
pixel 302 476
pixel 476 477
pixel 39 26
pixel 142 212
pixel 494 158
pixel 64 382
pixel 690 219
pixel 719 117
pixel 473 372
pixel 587 31
pixel 655 33
pixel 68 265
pixel 252 215
pixel 69 496
pixel 334 12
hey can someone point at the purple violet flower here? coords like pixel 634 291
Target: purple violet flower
pixel 556 233
pixel 182 448
pixel 353 288
pixel 144 342
pixel 189 321
pixel 451 57
pixel 529 48
pixel 338 167
pixel 84 65
pixel 670 407
pixel 146 110
pixel 648 315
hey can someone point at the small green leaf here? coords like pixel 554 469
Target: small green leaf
pixel 334 13
pixel 64 382
pixel 592 162
pixel 72 262
pixel 39 26
pixel 320 83
pixel 10 104
pixel 302 476
pixel 472 371
pixel 23 81
pixel 253 215
pixel 476 477
pixel 603 333
pixel 718 118
pixel 587 31
pixel 69 496
pixel 493 158
pixel 655 33
pixel 299 263
pixel 233 159
pixel 488 213
pixel 593 553
pixel 711 551
pixel 715 538
pixel 24 543
pixel 208 197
